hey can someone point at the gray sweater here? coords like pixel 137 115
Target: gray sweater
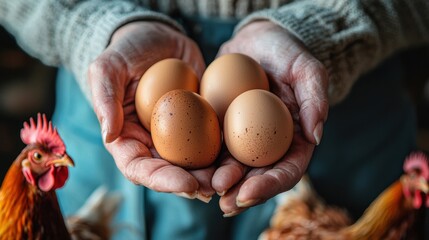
pixel 349 37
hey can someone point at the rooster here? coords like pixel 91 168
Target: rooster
pixel 28 203
pixel 302 214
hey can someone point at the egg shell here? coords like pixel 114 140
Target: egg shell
pixel 227 77
pixel 185 130
pixel 163 76
pixel 258 128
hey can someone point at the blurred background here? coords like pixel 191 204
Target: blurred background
pixel 27 87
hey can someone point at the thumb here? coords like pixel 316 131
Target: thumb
pixel 106 76
pixel 312 97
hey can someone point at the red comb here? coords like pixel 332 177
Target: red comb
pixel 43 133
pixel 417 160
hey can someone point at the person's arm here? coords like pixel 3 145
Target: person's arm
pixel 313 51
pixel 351 36
pixel 70 33
pixel 109 45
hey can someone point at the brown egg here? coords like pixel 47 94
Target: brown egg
pixel 185 130
pixel 258 128
pixel 227 77
pixel 163 76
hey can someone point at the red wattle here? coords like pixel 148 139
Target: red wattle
pixel 47 180
pixel 54 178
pixel 61 176
pixel 417 200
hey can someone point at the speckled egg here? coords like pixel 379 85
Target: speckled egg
pixel 163 76
pixel 185 129
pixel 258 128
pixel 227 77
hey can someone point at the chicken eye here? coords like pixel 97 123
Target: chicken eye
pixel 37 156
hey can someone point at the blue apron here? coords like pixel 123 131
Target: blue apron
pixel 365 141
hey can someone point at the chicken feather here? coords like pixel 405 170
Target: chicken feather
pixel 302 214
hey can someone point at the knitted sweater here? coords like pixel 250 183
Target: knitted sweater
pixel 348 36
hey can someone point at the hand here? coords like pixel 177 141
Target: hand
pixel 301 82
pixel 113 79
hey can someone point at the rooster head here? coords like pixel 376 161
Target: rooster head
pixel 46 161
pixel 415 180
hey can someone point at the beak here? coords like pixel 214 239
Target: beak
pixel 423 185
pixel 64 161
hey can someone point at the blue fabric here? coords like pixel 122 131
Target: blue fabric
pixel 364 144
pixel 148 213
pixel 208 33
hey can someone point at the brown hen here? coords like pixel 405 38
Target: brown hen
pixel 28 203
pixel 302 214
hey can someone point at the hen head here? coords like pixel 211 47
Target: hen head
pixel 415 180
pixel 45 162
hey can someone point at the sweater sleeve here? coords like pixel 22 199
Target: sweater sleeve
pixel 350 37
pixel 70 33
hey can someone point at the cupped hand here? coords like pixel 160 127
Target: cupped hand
pixel 301 81
pixel 113 79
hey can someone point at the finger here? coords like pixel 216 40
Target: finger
pixel 107 80
pixel 134 159
pixel 229 173
pixel 310 85
pixel 131 157
pixel 262 184
pixel 282 177
pixel 161 176
pixel 228 202
pixel 204 177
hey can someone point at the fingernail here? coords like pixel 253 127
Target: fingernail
pixel 232 214
pixel 221 193
pixel 104 135
pixel 204 198
pixel 248 203
pixel 187 195
pixel 317 133
pixel 104 131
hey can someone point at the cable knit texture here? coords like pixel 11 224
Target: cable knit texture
pixel 349 37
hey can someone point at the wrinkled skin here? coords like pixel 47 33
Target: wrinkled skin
pixel 301 82
pixel 113 77
pixel 297 77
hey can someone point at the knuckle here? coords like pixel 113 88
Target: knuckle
pixel 96 67
pixel 306 64
pixel 129 172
